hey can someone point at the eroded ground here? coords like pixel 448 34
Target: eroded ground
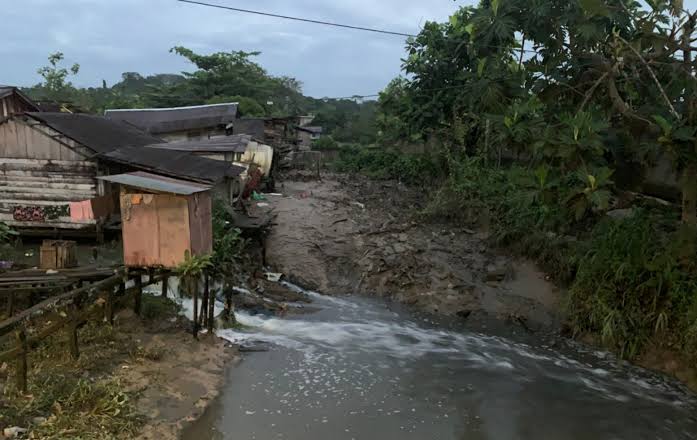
pixel 351 235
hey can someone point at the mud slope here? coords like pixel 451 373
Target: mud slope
pixel 346 235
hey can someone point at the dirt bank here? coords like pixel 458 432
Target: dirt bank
pixel 144 378
pixel 352 235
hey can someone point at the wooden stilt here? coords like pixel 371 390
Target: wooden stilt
pixel 137 304
pixel 165 286
pixel 195 311
pixel 211 305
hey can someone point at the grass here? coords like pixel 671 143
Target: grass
pixel 74 399
pixel 80 399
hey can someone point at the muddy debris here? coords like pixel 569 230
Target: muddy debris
pixel 346 235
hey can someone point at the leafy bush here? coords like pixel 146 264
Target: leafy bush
pixel 381 163
pixel 228 244
pixel 633 284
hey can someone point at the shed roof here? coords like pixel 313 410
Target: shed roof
pixel 313 130
pixel 154 182
pixel 95 132
pixel 227 144
pixel 167 120
pixel 174 163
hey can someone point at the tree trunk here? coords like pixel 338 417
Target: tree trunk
pixel 689 195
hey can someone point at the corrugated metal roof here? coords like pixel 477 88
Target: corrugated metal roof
pixel 227 144
pixel 167 120
pixel 313 130
pixel 174 163
pixel 154 182
pixel 97 133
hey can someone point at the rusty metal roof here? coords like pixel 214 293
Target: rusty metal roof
pixel 167 120
pixel 226 144
pixel 157 183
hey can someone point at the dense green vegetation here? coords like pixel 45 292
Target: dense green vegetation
pixel 218 77
pixel 533 114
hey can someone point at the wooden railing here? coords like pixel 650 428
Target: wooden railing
pixel 70 310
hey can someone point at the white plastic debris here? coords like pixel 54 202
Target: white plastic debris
pixel 273 277
pixel 13 432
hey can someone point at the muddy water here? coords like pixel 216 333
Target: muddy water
pixel 360 369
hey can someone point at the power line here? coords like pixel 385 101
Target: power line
pixel 306 20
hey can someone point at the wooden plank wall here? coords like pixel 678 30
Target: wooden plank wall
pixel 11 105
pixel 39 168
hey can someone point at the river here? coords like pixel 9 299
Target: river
pixel 361 368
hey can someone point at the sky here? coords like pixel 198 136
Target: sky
pixel 108 37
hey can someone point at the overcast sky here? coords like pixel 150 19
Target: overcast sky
pixel 108 37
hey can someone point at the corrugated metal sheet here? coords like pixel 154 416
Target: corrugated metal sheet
pixel 166 120
pixel 174 163
pixel 95 132
pixel 153 182
pixel 226 144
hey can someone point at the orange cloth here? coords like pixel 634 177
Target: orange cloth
pixel 81 210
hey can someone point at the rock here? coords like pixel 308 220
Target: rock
pixel 13 432
pixel 38 420
pixel 403 237
pixel 495 274
pixel 464 314
pixel 621 214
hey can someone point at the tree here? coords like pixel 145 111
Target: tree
pixel 55 85
pixel 580 84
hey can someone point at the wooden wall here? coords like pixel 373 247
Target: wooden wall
pixel 39 169
pixel 11 105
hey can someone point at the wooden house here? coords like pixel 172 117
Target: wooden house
pixel 13 101
pixel 49 164
pixel 163 219
pixel 308 135
pixel 176 124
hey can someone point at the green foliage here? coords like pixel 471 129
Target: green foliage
pixel 55 85
pixel 193 266
pixel 633 285
pixel 228 244
pixel 158 308
pixel 388 164
pixel 325 143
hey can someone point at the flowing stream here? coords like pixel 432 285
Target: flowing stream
pixel 360 368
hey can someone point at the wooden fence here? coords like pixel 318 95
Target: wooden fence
pixel 70 310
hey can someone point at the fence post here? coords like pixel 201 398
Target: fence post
pixel 11 305
pixel 211 305
pixel 203 313
pixel 139 293
pixel 109 308
pixel 72 334
pixel 165 286
pixel 22 360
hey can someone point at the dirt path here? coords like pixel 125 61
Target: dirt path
pixel 346 235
